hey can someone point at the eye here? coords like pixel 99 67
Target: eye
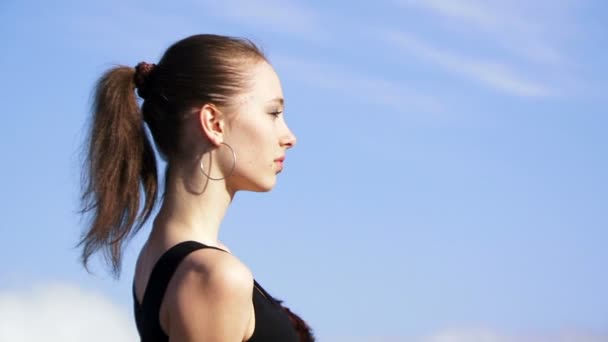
pixel 276 113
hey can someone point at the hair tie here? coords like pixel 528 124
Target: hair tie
pixel 142 74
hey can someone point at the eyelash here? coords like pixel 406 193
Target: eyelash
pixel 277 113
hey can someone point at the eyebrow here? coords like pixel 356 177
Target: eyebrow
pixel 279 100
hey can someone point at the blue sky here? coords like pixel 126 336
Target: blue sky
pixel 449 182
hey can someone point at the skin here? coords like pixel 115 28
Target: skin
pixel 209 298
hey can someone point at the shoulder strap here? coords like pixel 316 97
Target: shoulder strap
pixel 161 275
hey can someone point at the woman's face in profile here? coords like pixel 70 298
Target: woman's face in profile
pixel 259 133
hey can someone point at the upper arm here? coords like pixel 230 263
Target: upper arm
pixel 211 301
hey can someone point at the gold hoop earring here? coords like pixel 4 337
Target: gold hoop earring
pixel 231 169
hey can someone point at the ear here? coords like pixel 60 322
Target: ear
pixel 211 121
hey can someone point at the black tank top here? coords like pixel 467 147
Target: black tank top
pixel 271 322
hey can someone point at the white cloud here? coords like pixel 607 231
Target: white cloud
pixel 491 336
pixel 62 313
pixel 67 313
pixel 481 335
pixel 497 75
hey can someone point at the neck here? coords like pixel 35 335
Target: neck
pixel 193 207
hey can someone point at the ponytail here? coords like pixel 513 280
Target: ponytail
pixel 120 163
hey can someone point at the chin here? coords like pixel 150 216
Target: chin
pixel 262 185
pixel 267 186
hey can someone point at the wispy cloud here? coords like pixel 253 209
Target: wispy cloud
pixel 482 14
pixel 280 16
pixel 62 313
pixel 355 85
pixel 516 26
pixel 123 28
pixel 497 75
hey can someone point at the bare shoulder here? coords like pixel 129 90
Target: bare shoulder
pixel 217 270
pixel 210 293
pixel 212 274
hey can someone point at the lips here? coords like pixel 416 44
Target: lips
pixel 280 161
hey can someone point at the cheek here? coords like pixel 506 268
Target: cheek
pixel 254 148
pixel 255 141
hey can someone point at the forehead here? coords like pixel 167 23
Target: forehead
pixel 265 83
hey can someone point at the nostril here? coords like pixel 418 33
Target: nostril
pixel 289 141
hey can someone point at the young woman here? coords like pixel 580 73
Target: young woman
pixel 214 107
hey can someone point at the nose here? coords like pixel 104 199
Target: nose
pixel 288 140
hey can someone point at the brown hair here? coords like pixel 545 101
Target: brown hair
pixel 120 163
